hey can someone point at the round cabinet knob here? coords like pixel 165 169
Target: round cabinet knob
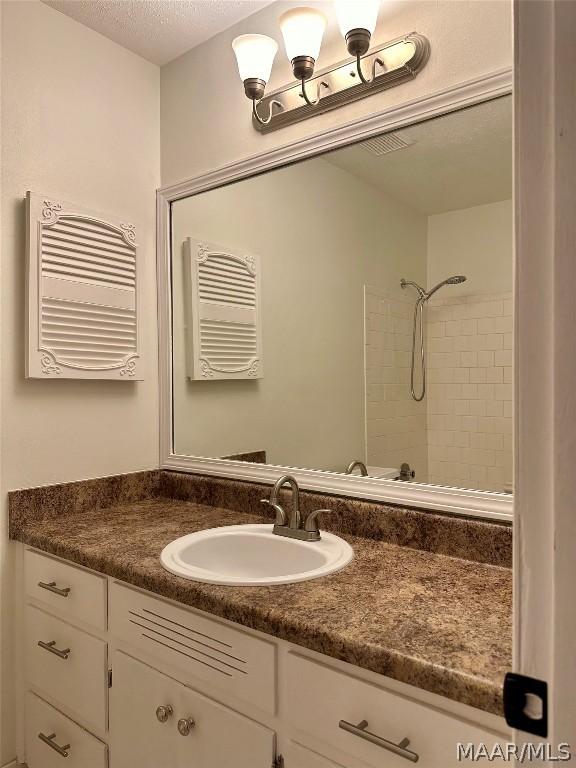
pixel 163 713
pixel 185 725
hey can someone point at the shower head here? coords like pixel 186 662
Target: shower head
pixel 425 295
pixel 454 280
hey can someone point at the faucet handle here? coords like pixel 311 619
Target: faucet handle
pixel 280 513
pixel 311 523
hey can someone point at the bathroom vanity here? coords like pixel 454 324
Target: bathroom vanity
pixel 396 658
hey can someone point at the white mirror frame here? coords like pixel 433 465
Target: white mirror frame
pixel 480 504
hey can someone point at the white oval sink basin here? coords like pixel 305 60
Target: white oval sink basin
pixel 251 555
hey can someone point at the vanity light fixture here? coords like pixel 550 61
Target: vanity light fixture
pixel 255 56
pixel 357 22
pixel 302 30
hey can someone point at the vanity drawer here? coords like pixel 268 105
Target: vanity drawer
pixel 70 668
pixel 202 650
pixel 83 750
pixel 319 698
pixel 65 589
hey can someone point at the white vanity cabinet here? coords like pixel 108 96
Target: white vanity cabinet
pixel 143 682
pixel 64 652
pixel 157 722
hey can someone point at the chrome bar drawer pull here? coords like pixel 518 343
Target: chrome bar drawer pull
pixel 51 587
pixel 62 751
pixel 398 749
pixel 51 646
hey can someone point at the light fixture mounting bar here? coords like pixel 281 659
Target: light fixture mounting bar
pixel 403 59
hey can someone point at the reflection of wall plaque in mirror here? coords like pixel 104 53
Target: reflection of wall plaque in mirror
pixel 224 338
pixel 82 294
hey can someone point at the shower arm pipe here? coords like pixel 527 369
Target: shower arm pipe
pixel 421 291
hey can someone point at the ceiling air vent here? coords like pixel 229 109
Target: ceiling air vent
pixel 381 145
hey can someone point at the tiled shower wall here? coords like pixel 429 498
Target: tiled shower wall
pixel 461 433
pixel 395 423
pixel 469 411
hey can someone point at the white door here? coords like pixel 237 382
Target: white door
pixel 545 507
pixel 156 722
pixel 138 738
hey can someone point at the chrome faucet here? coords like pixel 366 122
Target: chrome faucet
pixel 292 526
pixel 357 463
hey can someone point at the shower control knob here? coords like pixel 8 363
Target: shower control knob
pixel 163 713
pixel 406 472
pixel 185 725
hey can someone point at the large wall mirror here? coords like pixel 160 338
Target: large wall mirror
pixel 352 312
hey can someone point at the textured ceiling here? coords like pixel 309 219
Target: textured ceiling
pixel 158 30
pixel 453 162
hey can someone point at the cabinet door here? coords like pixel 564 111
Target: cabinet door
pixel 221 738
pixel 137 737
pixel 213 736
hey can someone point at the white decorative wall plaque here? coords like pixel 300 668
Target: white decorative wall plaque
pixel 223 313
pixel 82 294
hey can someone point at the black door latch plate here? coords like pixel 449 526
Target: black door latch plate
pixel 517 690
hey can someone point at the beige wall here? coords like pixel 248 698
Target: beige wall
pixel 476 242
pixel 206 117
pixel 309 408
pixel 80 121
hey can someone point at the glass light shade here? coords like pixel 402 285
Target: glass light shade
pixel 356 14
pixel 302 30
pixel 255 56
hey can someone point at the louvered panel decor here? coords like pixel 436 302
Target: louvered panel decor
pixel 82 294
pixel 223 313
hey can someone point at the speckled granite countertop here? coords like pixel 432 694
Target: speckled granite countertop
pixel 437 622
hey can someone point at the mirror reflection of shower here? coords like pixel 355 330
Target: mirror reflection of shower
pixel 418 328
